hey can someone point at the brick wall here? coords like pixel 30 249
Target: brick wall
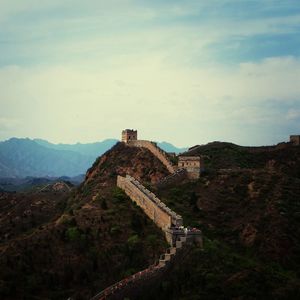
pixel 135 285
pixel 159 153
pixel 193 165
pixel 156 210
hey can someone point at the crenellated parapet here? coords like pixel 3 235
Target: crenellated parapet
pixel 156 151
pixel 171 223
pixel 129 135
pixel 177 177
pixel 134 285
pixel 154 208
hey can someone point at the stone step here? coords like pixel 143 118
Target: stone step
pixel 168 256
pixel 183 239
pixel 171 250
pixel 162 263
pixel 179 244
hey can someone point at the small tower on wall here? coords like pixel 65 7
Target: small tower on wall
pixel 129 135
pixel 194 165
pixel 295 140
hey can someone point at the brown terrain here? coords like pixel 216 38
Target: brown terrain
pixel 248 207
pixel 75 243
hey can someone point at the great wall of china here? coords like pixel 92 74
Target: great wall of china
pixel 156 210
pixel 166 219
pixel 156 151
pixel 135 284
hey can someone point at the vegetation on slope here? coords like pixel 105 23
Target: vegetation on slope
pixel 220 155
pixel 248 206
pixel 96 237
pixel 250 220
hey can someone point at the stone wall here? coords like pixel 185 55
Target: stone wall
pixel 174 178
pixel 181 240
pixel 194 165
pixel 134 286
pixel 159 153
pixel 156 210
pixel 295 140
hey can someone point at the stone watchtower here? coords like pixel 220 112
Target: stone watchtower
pixel 194 165
pixel 129 135
pixel 295 140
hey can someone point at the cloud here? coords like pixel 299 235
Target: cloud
pixel 188 32
pixel 201 69
pixel 63 101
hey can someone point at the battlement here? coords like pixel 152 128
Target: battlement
pixel 171 223
pixel 154 208
pixel 156 151
pixel 179 175
pixel 129 136
pixel 135 285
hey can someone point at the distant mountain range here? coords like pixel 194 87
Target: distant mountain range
pixel 30 183
pixel 171 148
pixel 21 158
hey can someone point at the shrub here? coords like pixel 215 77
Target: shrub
pixel 133 241
pixel 103 204
pixel 136 223
pixel 118 195
pixel 115 229
pixel 72 234
pixel 86 190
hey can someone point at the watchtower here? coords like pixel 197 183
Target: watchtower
pixel 295 140
pixel 129 135
pixel 194 165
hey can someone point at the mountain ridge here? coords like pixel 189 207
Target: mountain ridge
pixel 247 209
pixel 23 157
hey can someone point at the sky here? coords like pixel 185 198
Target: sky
pixel 183 71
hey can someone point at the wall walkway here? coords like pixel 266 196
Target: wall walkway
pixel 179 175
pixel 153 207
pixel 169 222
pixel 133 285
pixel 159 153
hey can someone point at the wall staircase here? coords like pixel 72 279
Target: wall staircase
pixel 118 290
pixel 158 152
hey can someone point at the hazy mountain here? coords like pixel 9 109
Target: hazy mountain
pixel 89 149
pixel 247 206
pixel 40 158
pixel 29 183
pixel 93 149
pixel 171 148
pixel 25 157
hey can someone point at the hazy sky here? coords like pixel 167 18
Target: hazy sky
pixel 183 71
